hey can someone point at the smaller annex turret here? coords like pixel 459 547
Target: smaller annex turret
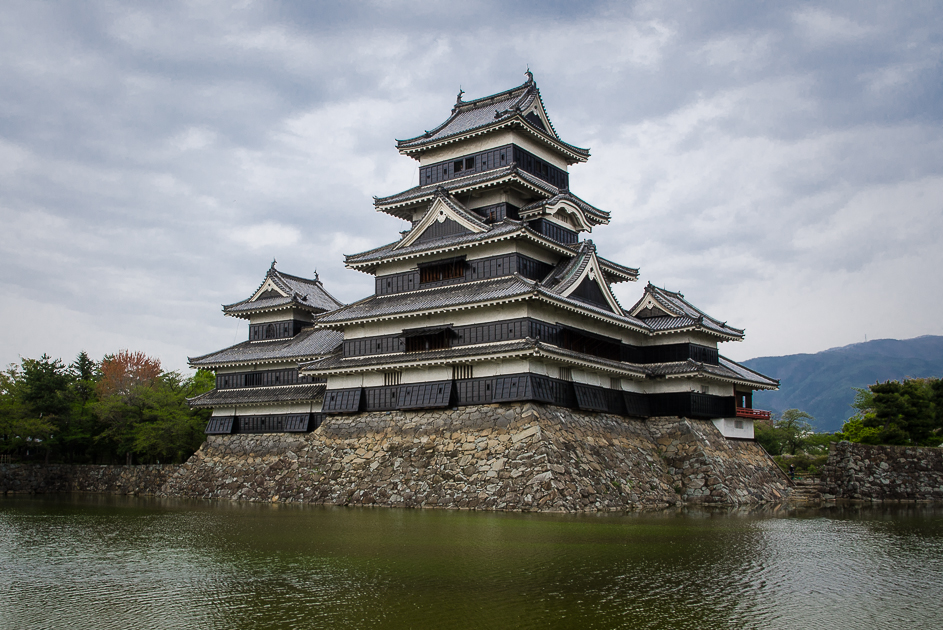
pixel 258 386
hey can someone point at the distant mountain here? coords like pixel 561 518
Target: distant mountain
pixel 821 383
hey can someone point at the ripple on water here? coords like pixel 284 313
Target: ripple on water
pixel 71 562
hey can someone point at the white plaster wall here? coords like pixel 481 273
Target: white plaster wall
pixel 280 316
pixel 344 381
pixel 258 410
pixel 422 375
pixel 491 141
pixel 728 427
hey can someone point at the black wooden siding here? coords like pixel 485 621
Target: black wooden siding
pixel 219 425
pixel 680 352
pixel 276 330
pixel 692 405
pixel 263 378
pixel 498 212
pixel 554 334
pixel 459 167
pixel 343 400
pixel 530 163
pixel 478 269
pixel 441 229
pixel 384 344
pixel 266 423
pixel 554 231
pixel 490 160
pixel 588 291
pixel 425 395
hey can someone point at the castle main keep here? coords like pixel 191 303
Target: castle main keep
pixel 493 312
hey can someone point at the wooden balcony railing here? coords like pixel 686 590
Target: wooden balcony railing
pixel 755 414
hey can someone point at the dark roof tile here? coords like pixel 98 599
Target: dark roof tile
pixel 308 344
pixel 258 395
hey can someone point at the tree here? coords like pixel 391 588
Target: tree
pixel 122 372
pixel 788 433
pixel 908 412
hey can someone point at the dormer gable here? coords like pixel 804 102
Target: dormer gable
pixel 446 216
pixel 268 290
pixel 283 292
pixel 582 278
pixel 567 209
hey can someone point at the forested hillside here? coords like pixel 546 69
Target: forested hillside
pixel 822 383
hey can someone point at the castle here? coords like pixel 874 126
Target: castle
pixel 492 294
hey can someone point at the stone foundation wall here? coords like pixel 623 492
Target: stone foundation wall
pixel 883 473
pixel 493 457
pixel 37 478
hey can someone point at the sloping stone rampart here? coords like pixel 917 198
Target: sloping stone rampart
pixel 493 457
pixel 864 472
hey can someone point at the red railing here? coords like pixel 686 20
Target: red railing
pixel 755 414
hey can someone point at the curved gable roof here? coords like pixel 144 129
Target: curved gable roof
pixel 521 105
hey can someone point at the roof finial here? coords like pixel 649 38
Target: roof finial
pixel 530 75
pixel 458 99
pixel 273 264
pixel 316 278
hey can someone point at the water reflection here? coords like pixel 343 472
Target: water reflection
pixel 113 562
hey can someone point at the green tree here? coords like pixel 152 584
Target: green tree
pixel 900 413
pixel 44 390
pixel 789 433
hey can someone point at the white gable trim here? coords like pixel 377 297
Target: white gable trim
pixel 650 302
pixel 268 284
pixel 439 211
pixel 538 109
pixel 594 272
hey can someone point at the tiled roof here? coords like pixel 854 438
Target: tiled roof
pixel 726 370
pixel 468 293
pixel 481 113
pixel 258 395
pixel 484 178
pixel 305 293
pixel 337 362
pixel 618 273
pixel 308 344
pixel 567 272
pixel 593 213
pixel 747 374
pixel 504 228
pixel 681 313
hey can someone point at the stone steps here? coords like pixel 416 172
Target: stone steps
pixel 806 491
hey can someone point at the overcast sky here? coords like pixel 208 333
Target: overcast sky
pixel 780 164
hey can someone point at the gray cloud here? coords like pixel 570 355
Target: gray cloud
pixel 777 163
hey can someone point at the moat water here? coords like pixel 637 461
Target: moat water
pixel 89 561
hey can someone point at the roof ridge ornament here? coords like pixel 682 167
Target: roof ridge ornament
pixel 458 99
pixel 530 75
pixel 273 264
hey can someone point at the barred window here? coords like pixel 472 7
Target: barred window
pixel 566 374
pixel 462 372
pixel 392 378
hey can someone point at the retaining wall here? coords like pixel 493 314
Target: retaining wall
pixel 37 478
pixel 883 473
